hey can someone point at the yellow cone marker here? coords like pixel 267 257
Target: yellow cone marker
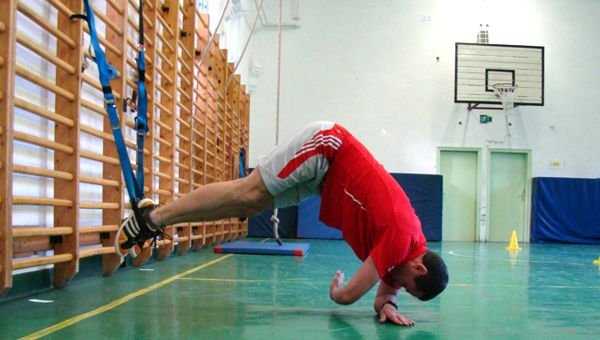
pixel 514 243
pixel 597 261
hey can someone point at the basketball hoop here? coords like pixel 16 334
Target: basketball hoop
pixel 506 93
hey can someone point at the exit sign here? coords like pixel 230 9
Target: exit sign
pixel 484 119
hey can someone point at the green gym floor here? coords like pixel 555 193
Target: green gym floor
pixel 541 292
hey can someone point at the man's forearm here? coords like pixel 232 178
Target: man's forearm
pixel 381 300
pixel 385 293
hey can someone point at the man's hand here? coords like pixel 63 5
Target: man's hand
pixel 336 286
pixel 389 314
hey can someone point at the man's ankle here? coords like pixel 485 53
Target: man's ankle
pixel 150 220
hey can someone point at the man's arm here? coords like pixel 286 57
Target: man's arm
pixel 388 311
pixel 365 278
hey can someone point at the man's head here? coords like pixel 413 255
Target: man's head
pixel 423 277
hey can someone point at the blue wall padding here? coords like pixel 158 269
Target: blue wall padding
pixel 424 192
pixel 309 225
pixel 263 248
pixel 565 210
pixel 260 225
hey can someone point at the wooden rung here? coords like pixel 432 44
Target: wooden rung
pixel 34 78
pixel 185 50
pixel 163 91
pixel 93 107
pixel 163 125
pixel 183 108
pixel 136 6
pixel 197 119
pixel 106 20
pixel 166 26
pixel 162 243
pixel 165 41
pixel 29 232
pixel 162 192
pixel 181 180
pixel 57 202
pixel 115 6
pixel 162 141
pixel 134 45
pixel 97 133
pixel 183 122
pixel 96 84
pixel 164 58
pixel 162 159
pixel 181 238
pixel 61 7
pixel 184 77
pixel 134 86
pixel 98 205
pixel 44 53
pixel 42 112
pixel 162 175
pixel 163 109
pixel 30 170
pixel 182 151
pixel 98 229
pixel 147 41
pixel 197 172
pixel 181 136
pixel 164 75
pixel 183 93
pixel 98 157
pixel 96 251
pixel 41 261
pixel 99 181
pixel 107 45
pixel 197 236
pixel 181 165
pixel 43 142
pixel 184 64
pixel 46 25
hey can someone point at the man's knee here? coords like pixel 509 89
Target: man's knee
pixel 255 197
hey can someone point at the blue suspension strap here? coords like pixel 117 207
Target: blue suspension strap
pixel 107 73
pixel 242 162
pixel 141 119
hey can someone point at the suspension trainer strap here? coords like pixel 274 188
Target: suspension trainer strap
pixel 141 120
pixel 242 162
pixel 106 74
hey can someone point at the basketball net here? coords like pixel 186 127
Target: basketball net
pixel 506 93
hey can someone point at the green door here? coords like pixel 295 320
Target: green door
pixel 508 194
pixel 459 217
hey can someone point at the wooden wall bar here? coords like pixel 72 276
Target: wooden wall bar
pixel 7 58
pixel 198 118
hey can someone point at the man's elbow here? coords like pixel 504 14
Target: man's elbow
pixel 346 298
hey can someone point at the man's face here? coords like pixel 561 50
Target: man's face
pixel 411 288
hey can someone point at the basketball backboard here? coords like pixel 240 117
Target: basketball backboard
pixel 480 66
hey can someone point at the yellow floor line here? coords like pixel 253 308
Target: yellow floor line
pixel 116 303
pixel 249 280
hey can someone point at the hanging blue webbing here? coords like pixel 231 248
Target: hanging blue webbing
pixel 141 120
pixel 242 162
pixel 107 73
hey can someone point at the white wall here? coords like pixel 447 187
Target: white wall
pixel 372 67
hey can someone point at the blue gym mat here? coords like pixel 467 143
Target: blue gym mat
pixel 262 248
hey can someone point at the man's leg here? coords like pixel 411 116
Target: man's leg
pixel 238 198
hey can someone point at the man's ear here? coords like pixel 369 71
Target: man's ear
pixel 420 268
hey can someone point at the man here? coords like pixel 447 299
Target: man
pixel 358 196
